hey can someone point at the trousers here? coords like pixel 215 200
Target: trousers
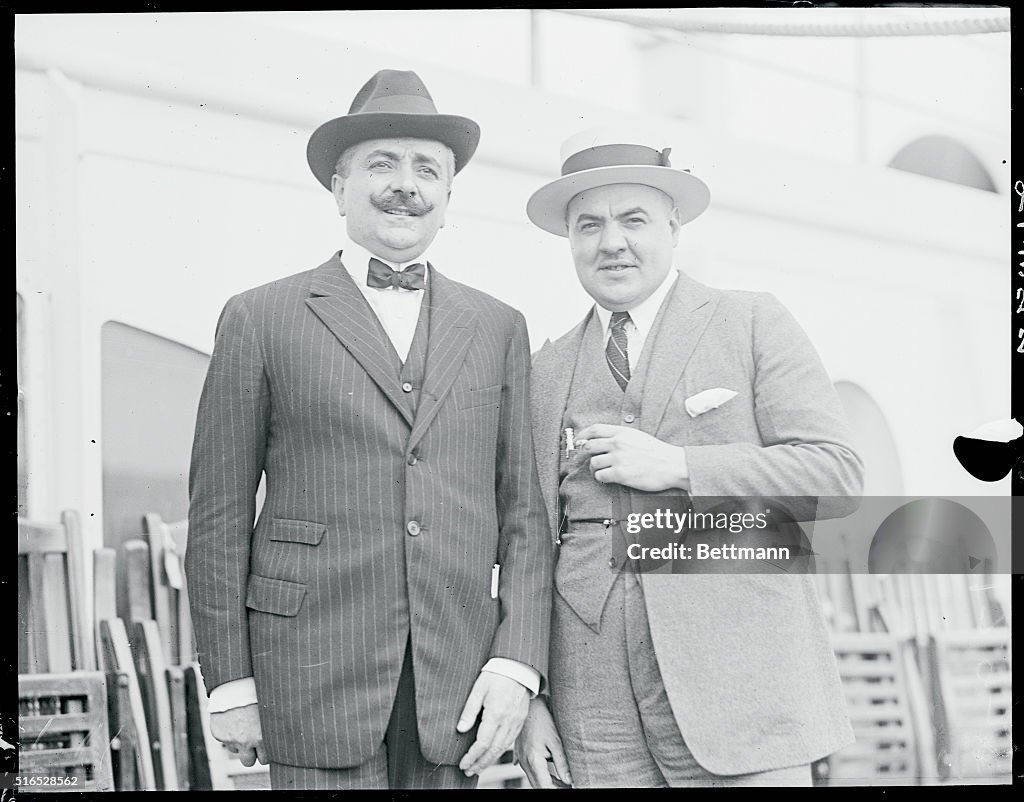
pixel 398 763
pixel 611 709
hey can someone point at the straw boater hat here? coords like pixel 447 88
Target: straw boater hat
pixel 599 157
pixel 393 103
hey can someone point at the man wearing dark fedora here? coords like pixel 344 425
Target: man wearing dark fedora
pixel 385 622
pixel 674 388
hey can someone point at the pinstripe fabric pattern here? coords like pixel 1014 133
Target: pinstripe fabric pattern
pixel 316 601
pixel 398 762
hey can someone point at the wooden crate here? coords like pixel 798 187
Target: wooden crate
pixel 874 681
pixel 64 735
pixel 973 679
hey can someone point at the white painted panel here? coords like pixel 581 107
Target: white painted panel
pixel 30 267
pixel 789 112
pixel 29 104
pixel 965 80
pixel 494 41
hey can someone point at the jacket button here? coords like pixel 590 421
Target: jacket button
pixel 413 459
pixel 611 562
pixel 413 528
pixel 629 417
pixel 406 387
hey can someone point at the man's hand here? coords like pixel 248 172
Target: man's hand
pixel 504 702
pixel 536 742
pixel 239 729
pixel 629 457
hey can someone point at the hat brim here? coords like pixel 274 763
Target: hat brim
pixel 329 140
pixel 546 207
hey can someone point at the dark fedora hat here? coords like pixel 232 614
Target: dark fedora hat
pixel 393 103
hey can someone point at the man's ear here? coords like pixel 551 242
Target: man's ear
pixel 338 190
pixel 675 222
pixel 447 200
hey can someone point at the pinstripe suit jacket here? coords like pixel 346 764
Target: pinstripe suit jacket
pixel 745 658
pixel 317 600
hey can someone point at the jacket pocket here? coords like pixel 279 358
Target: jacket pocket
pixel 482 397
pixel 277 596
pixel 294 531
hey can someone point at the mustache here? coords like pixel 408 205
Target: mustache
pixel 398 202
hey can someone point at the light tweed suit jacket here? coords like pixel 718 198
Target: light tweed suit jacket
pixel 745 658
pixel 317 600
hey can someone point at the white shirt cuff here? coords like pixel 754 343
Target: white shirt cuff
pixel 242 692
pixel 237 693
pixel 525 675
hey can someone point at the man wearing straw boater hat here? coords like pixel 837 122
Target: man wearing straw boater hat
pixel 385 622
pixel 671 387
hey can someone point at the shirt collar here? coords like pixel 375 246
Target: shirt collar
pixel 356 260
pixel 643 313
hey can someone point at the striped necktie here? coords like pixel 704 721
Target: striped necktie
pixel 617 350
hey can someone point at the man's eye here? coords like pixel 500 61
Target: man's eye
pixel 636 221
pixel 380 165
pixel 587 226
pixel 429 171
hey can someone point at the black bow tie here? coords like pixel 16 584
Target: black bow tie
pixel 381 275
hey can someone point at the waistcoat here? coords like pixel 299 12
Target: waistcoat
pixel 586 568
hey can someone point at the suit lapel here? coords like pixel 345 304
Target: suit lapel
pixel 553 373
pixel 342 308
pixel 452 323
pixel 681 322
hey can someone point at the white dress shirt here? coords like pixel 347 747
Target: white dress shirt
pixel 398 310
pixel 641 319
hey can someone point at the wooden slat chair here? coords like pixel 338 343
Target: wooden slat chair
pixel 169 598
pixel 167 543
pixel 200 758
pixel 147 658
pixel 62 698
pixel 915 608
pixel 897 617
pixel 875 684
pixel 132 756
pixel 973 677
pixel 213 766
pixel 942 617
pixel 51 636
pixel 935 603
pixel 151 669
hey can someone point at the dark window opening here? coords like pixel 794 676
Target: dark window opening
pixel 151 388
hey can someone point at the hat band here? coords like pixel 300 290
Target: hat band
pixel 401 104
pixel 615 156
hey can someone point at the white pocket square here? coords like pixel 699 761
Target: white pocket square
pixel 708 399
